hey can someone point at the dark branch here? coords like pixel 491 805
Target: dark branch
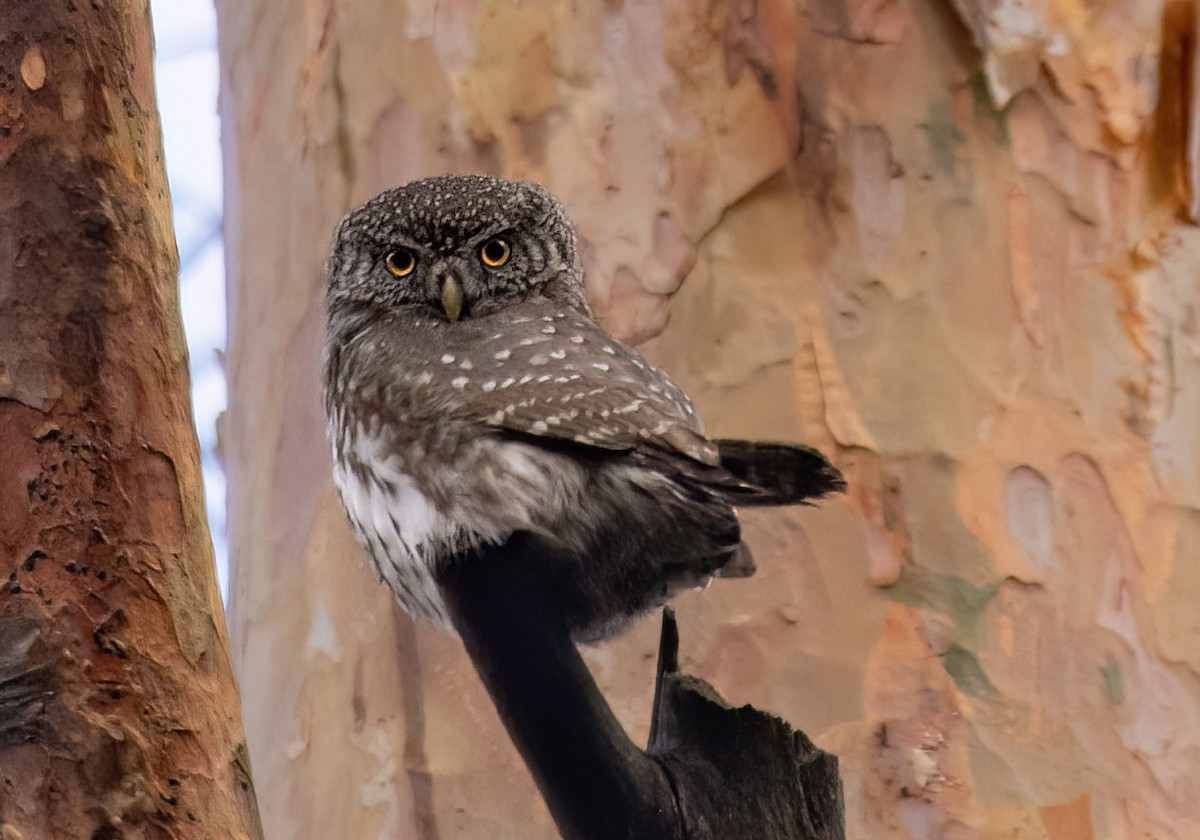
pixel 596 782
pixel 711 771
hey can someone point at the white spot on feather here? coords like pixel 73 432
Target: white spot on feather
pixel 448 359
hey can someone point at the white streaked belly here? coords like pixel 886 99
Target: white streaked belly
pixel 398 526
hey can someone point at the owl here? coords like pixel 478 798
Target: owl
pixel 471 394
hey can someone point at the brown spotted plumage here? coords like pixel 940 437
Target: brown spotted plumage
pixel 471 394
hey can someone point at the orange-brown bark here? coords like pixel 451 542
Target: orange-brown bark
pixel 118 708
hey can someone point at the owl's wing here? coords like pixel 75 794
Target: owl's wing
pixel 666 436
pixel 587 409
pixel 559 376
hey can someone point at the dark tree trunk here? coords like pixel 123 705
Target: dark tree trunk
pixel 118 707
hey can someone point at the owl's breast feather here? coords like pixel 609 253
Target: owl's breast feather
pixel 417 497
pixel 395 522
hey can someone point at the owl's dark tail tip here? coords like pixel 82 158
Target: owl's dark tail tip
pixel 778 473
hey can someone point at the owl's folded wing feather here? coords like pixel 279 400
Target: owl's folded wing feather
pixel 603 415
pixel 583 389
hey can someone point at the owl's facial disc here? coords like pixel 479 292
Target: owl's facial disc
pixel 456 247
pixel 452 297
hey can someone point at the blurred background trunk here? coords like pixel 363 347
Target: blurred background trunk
pixel 118 708
pixel 947 243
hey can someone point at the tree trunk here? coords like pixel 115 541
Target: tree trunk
pixel 118 709
pixel 948 242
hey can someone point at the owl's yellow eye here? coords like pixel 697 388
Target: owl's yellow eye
pixel 495 252
pixel 401 262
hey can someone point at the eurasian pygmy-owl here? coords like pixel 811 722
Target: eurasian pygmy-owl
pixel 471 394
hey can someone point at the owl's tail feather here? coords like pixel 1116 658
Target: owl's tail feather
pixel 741 564
pixel 776 473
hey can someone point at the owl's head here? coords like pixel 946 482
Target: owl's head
pixel 455 247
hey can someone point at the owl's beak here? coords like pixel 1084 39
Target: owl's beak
pixel 452 297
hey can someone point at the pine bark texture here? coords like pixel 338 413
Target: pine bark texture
pixel 950 243
pixel 118 708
